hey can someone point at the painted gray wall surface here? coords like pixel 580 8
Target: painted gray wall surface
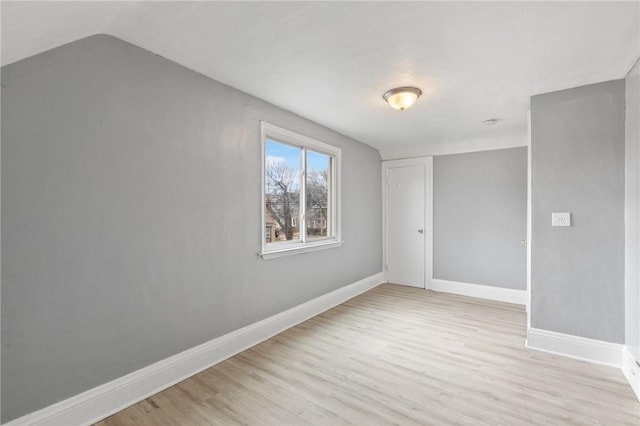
pixel 131 217
pixel 480 217
pixel 632 211
pixel 577 154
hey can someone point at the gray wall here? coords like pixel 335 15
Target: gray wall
pixel 577 148
pixel 131 217
pixel 480 217
pixel 632 212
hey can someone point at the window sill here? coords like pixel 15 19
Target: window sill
pixel 308 248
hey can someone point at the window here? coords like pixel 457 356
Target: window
pixel 300 193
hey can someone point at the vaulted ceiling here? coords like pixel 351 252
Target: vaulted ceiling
pixel 332 61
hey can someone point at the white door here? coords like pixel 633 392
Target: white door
pixel 405 225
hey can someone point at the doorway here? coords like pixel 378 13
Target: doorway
pixel 407 217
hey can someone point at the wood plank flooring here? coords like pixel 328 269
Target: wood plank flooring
pixel 396 355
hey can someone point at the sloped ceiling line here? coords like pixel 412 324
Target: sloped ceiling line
pixel 332 61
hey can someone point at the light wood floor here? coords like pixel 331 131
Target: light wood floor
pixel 396 355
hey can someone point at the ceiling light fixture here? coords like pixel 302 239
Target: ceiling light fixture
pixel 402 98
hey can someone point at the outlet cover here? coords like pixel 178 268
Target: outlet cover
pixel 561 219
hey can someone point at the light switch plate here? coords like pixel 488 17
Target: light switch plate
pixel 561 219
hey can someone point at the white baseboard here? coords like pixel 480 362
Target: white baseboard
pixel 104 400
pixel 575 347
pixel 480 291
pixel 631 371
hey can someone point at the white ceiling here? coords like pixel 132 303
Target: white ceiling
pixel 332 61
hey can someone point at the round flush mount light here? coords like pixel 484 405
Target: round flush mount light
pixel 490 122
pixel 402 98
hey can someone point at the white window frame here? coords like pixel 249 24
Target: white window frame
pixel 278 134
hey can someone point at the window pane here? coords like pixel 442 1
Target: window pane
pixel 318 208
pixel 282 192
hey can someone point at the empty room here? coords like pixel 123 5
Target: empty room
pixel 320 213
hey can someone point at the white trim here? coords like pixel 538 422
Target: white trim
pixel 301 249
pixel 100 402
pixel 576 347
pixel 427 162
pixel 631 371
pixel 428 209
pixel 529 219
pixel 480 291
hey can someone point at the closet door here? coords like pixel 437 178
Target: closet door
pixel 408 229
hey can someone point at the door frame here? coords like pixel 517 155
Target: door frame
pixel 427 163
pixel 529 221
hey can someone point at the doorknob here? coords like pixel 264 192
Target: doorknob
pixel 421 231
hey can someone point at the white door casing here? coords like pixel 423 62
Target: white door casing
pixel 529 218
pixel 407 220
